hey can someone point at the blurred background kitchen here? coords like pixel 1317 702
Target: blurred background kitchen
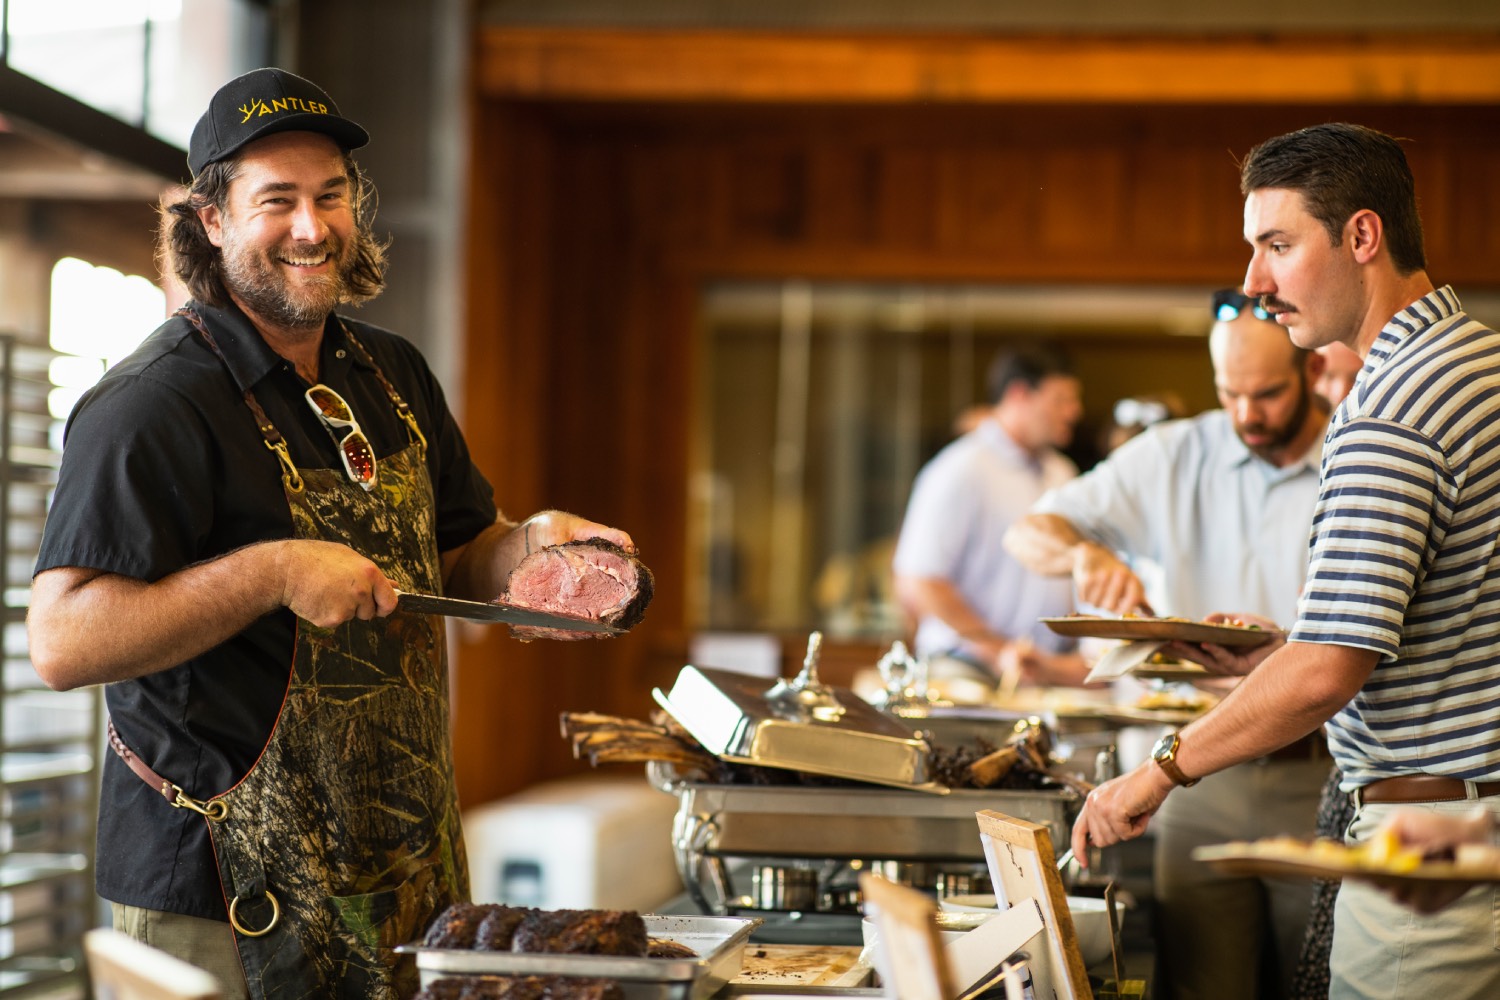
pixel 725 274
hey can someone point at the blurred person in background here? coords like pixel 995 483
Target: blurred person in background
pixel 975 606
pixel 1341 367
pixel 1219 506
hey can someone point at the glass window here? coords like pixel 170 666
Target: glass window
pixel 98 316
pixel 823 401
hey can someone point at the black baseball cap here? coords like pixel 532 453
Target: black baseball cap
pixel 260 103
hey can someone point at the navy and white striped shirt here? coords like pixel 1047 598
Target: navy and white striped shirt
pixel 1405 556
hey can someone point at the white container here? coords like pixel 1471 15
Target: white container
pixel 592 842
pixel 1090 920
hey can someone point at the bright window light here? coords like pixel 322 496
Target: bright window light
pixel 45 17
pixel 98 316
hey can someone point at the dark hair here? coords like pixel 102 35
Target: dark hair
pixel 1029 364
pixel 183 247
pixel 1340 169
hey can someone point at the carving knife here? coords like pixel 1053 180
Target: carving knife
pixel 480 611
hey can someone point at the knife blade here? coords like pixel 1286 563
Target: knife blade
pixel 480 611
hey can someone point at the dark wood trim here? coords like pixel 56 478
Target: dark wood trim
pixel 570 64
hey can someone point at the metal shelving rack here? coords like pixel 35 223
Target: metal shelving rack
pixel 49 740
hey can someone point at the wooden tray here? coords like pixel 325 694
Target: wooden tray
pixel 1158 628
pixel 1301 862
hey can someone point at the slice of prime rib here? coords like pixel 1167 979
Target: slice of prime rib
pixel 588 578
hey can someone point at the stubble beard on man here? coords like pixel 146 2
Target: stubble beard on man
pixel 253 275
pixel 1283 435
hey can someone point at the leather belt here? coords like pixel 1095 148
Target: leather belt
pixel 1310 747
pixel 1425 788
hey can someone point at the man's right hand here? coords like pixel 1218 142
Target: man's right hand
pixel 328 583
pixel 1103 580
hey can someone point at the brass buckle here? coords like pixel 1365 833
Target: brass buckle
pixel 215 810
pixel 411 425
pixel 289 473
pixel 235 922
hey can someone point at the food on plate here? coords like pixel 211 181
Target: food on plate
pixel 497 927
pixel 521 988
pixel 587 578
pixel 1382 853
pixel 1176 699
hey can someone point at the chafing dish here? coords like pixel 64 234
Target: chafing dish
pixel 718 940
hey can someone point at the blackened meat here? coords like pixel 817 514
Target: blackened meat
pixel 587 578
pixel 582 932
pixel 521 988
pixel 497 930
pixel 456 926
pixel 662 948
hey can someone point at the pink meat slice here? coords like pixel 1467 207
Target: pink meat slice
pixel 588 578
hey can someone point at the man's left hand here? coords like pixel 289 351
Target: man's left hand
pixel 554 527
pixel 1119 809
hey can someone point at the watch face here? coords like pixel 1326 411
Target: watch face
pixel 1163 747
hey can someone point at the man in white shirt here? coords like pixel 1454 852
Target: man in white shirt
pixel 1222 504
pixel 976 605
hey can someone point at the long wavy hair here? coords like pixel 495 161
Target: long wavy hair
pixel 183 247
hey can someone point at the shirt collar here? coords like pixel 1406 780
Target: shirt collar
pixel 1236 453
pixel 1434 307
pixel 250 359
pixel 995 436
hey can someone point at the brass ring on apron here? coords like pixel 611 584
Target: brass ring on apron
pixel 275 917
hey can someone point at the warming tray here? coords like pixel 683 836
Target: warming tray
pixel 719 942
pixel 854 822
pixel 840 734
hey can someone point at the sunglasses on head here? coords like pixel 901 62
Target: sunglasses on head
pixel 1229 303
pixel 354 447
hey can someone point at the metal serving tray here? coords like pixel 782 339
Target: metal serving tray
pixel 719 942
pixel 803 822
pixel 845 736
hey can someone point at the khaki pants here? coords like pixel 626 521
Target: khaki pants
pixel 1232 937
pixel 1382 949
pixel 208 944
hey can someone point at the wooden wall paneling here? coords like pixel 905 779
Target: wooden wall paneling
pixel 572 64
pixel 501 735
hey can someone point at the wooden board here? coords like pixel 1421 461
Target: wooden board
pixel 1023 866
pixel 802 965
pixel 909 936
pixel 123 968
pixel 1300 860
pixel 1164 629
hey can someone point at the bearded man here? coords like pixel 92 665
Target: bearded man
pixel 1215 511
pixel 238 504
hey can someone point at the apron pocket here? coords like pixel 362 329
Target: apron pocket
pixel 374 923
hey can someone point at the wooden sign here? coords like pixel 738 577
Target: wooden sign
pixel 909 934
pixel 1022 867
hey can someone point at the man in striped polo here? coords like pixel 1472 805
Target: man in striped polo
pixel 1397 642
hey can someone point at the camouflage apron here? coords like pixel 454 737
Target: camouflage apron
pixel 343 840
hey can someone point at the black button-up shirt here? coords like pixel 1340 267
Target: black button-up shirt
pixel 163 467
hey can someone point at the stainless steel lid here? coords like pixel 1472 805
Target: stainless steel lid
pixel 801 725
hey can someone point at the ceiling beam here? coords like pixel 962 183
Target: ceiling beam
pixel 40 107
pixel 569 64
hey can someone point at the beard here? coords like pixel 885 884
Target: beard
pixel 1283 435
pixel 256 278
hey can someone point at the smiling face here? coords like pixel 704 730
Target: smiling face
pixel 1311 286
pixel 286 233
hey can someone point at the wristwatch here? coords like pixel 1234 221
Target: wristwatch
pixel 1165 755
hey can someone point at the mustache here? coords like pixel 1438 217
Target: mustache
pixel 1272 304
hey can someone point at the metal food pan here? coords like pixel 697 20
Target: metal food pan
pixel 730 715
pixel 719 942
pixel 855 822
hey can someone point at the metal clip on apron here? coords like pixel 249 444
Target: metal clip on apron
pixel 349 812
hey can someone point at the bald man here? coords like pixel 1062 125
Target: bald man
pixel 1222 503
